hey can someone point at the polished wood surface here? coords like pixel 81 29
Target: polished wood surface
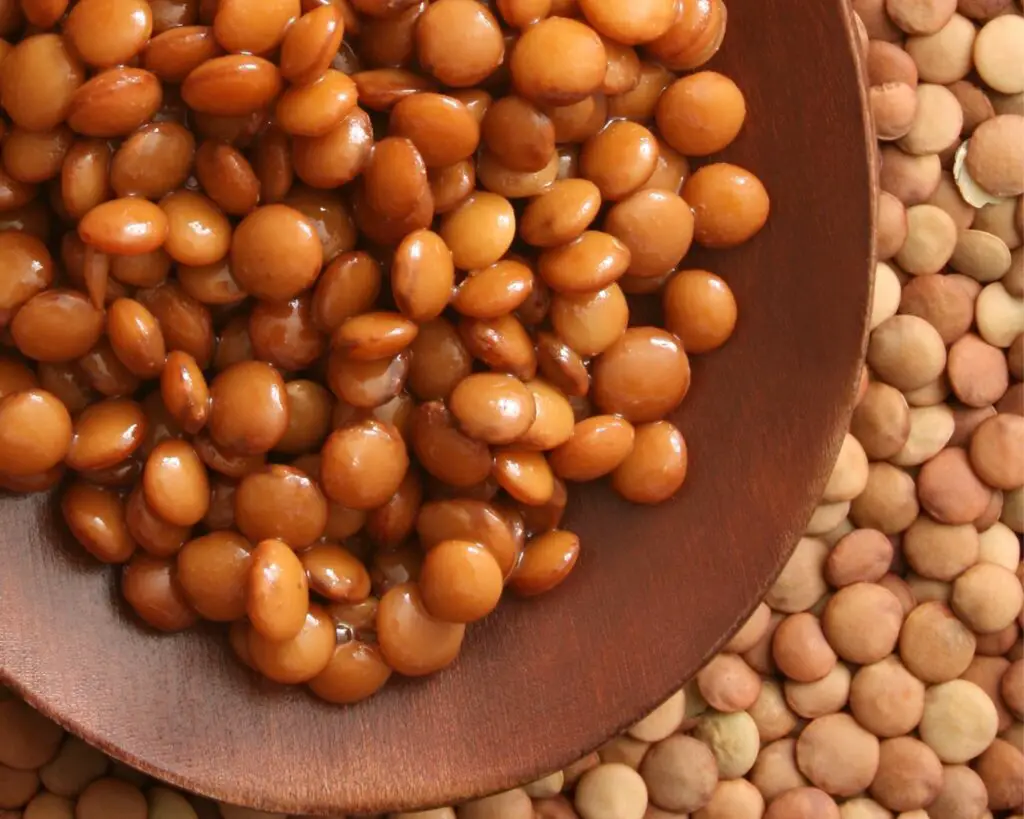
pixel 656 590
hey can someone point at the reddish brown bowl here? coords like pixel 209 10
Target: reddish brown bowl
pixel 656 591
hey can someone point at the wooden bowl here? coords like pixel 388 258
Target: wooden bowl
pixel 657 590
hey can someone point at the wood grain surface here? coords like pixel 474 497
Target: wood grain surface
pixel 656 590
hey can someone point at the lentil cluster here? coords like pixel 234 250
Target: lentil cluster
pixel 315 309
pixel 883 675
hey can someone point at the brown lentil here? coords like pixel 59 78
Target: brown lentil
pixel 934 645
pixel 35 432
pixel 656 467
pixel 355 671
pixel 411 640
pixel 886 698
pixel 460 581
pixel 701 114
pixel 643 376
pixel 149 585
pixel 277 593
pixel 558 61
pixel 730 205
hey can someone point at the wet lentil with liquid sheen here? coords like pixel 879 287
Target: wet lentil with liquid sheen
pixel 316 314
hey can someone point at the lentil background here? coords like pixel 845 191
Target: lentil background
pixel 883 674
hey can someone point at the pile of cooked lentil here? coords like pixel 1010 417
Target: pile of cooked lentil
pixel 317 313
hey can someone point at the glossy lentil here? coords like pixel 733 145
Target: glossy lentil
pixel 277 592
